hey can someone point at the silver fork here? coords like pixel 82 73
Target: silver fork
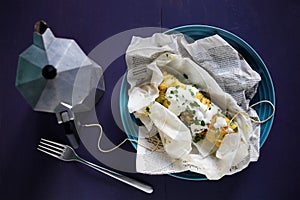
pixel 67 153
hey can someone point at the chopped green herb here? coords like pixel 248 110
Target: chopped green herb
pixel 236 129
pixel 192 93
pixel 161 101
pixel 194 104
pixel 197 121
pixel 202 123
pixel 232 122
pixel 147 109
pixel 198 137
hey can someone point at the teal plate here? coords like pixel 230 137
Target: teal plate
pixel 265 89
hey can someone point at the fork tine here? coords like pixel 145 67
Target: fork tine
pixel 49 141
pixel 51 154
pixel 50 149
pixel 52 146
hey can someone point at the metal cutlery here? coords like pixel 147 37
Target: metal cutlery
pixel 67 153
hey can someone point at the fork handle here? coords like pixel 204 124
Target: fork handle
pixel 139 185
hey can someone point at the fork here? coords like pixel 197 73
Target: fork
pixel 67 153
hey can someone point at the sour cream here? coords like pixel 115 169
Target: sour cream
pixel 182 99
pixel 220 122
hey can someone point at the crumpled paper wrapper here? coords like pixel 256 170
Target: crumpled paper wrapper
pixel 214 67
